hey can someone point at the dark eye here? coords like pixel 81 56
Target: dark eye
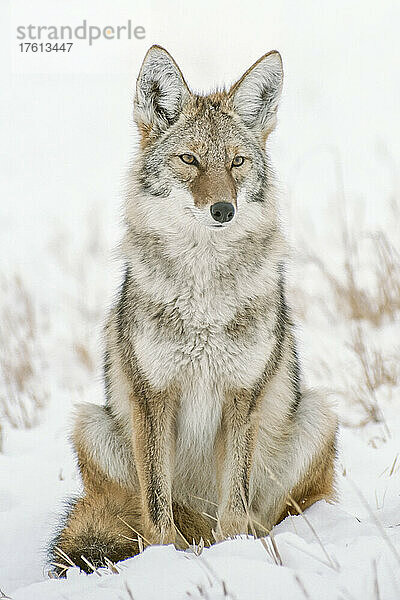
pixel 189 159
pixel 238 161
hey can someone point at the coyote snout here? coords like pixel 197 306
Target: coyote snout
pixel 213 189
pixel 222 212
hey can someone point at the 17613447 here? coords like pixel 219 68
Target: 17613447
pixel 45 47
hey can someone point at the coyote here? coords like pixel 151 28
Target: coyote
pixel 207 430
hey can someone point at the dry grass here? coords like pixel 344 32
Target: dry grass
pixel 109 567
pixel 22 392
pixel 376 370
pixel 361 306
pixel 365 297
pixel 379 300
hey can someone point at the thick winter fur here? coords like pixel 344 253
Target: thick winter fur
pixel 206 412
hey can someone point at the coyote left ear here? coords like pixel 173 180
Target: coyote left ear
pixel 256 95
pixel 160 92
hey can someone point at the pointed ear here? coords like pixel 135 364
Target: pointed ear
pixel 160 92
pixel 256 95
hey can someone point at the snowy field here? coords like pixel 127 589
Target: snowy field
pixel 66 138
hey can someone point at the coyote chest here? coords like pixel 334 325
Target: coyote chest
pixel 194 340
pixel 209 340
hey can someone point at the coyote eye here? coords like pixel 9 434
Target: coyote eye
pixel 189 159
pixel 238 161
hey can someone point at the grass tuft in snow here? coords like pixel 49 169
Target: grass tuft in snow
pixel 358 302
pixel 23 394
pixel 376 370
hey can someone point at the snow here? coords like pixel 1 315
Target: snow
pixel 66 139
pixel 333 551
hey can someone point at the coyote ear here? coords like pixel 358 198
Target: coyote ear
pixel 256 95
pixel 160 91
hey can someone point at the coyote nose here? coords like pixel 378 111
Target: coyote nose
pixel 222 211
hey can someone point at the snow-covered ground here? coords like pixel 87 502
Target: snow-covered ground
pixel 66 138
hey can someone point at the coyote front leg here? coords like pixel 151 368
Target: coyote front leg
pixel 153 445
pixel 238 437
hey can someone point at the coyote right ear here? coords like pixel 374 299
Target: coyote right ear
pixel 160 92
pixel 256 95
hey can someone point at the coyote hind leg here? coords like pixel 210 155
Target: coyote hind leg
pixel 106 525
pixel 105 522
pixel 317 483
pixel 102 524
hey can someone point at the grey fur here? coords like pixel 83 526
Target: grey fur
pixel 202 319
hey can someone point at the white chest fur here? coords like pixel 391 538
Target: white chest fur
pixel 199 354
pixel 201 349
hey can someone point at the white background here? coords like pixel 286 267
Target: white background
pixel 66 118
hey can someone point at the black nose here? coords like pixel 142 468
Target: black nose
pixel 222 211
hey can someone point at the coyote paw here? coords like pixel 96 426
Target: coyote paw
pixel 155 536
pixel 230 524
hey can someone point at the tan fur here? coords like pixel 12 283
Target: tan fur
pixel 238 438
pixel 106 523
pixel 101 524
pixel 191 526
pixel 317 483
pixel 206 410
pixel 214 186
pixel 152 436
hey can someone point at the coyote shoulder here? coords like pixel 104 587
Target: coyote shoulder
pixel 207 430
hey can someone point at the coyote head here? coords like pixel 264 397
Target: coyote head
pixel 202 162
